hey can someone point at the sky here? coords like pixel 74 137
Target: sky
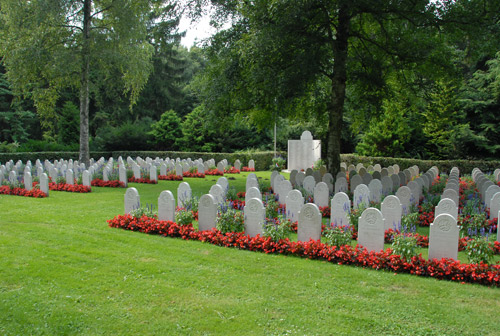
pixel 195 31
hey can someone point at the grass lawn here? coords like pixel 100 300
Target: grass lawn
pixel 64 271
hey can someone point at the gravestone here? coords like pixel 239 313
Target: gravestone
pixel 183 194
pixel 218 194
pixel 443 237
pixel 137 171
pixel 341 185
pixel 28 181
pixel 122 173
pixel 309 172
pixel 253 192
pixel 340 209
pixel 446 206
pixel 402 178
pixel 132 200
pixel 367 178
pixel 415 192
pixel 404 195
pixel 166 206
pixel 237 164
pixel 355 181
pixel 392 210
pixel 303 153
pixel 309 184
pixel 377 175
pixel 328 179
pixel 163 169
pixel 251 183
pixel 200 168
pixel 317 176
pixel 13 177
pixel 294 202
pixel 495 205
pixel 224 183
pixel 251 164
pixel 387 186
pixel 377 167
pixel 272 179
pixel 321 194
pixel 371 230
pixel 309 226
pixel 293 174
pixel 153 173
pixel 44 183
pixel 178 170
pixel 70 179
pixel 384 172
pixel 492 190
pixel 86 178
pixel 341 174
pixel 299 179
pixel 105 173
pixel 375 187
pixel 361 196
pixel 284 188
pixel 451 194
pixel 207 212
pixel 255 217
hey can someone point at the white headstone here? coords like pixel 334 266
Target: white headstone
pixel 251 164
pixel 375 187
pixel 166 206
pixel 153 173
pixel 70 179
pixel 86 178
pixel 252 183
pixel 404 195
pixel 341 185
pixel 340 209
pixel 294 202
pixel 361 196
pixel 44 183
pixel 224 183
pixel 255 216
pixel 28 181
pixel 392 210
pixel 451 194
pixel 207 212
pixel 355 181
pixel 132 200
pixel 321 194
pixel 495 206
pixel 217 192
pixel 443 237
pixel 284 188
pixel 309 184
pixel 371 230
pixel 309 226
pixel 183 194
pixel 446 206
pixel 252 192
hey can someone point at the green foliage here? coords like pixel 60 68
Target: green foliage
pixel 278 164
pixel 479 249
pixel 404 245
pixel 277 228
pixel 354 215
pixel 166 132
pixel 128 135
pixel 338 235
pixel 147 210
pixel 272 208
pixel 230 221
pixel 68 125
pixel 196 135
pixel 184 217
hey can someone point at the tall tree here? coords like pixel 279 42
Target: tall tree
pixel 290 55
pixel 49 45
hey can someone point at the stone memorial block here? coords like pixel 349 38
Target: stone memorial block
pixel 237 164
pixel 166 206
pixel 86 180
pixel 163 169
pixel 321 194
pixel 341 185
pixel 446 206
pixel 443 237
pixel 183 194
pixel 13 177
pixel 377 167
pixel 39 171
pixel 122 173
pixel 252 192
pixel 178 169
pixel 384 172
pixel 255 217
pixel 136 169
pixel 274 174
pixel 371 230
pixel 390 171
pixel 494 205
pixel 396 168
pixel 361 196
pixel 359 166
pixel 105 174
pixel 153 173
pixel 341 174
pixel 402 178
pixel 355 181
pixel 392 210
pixel 44 183
pixel 415 192
pixel 224 183
pixel 309 184
pixel 340 209
pixel 251 164
pixel 70 178
pixel 404 195
pixel 28 181
pixel 377 175
pixel 252 175
pixel 221 166
pixel 309 172
pixel 362 171
pixel 294 202
pixel 207 212
pixel 303 153
pixel 132 200
pixel 408 175
pixel 375 187
pixel 328 179
pixel 218 193
pixel 317 176
pixel 498 226
pixel 343 165
pixel 309 226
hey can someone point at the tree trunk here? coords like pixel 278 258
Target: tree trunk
pixel 339 78
pixel 84 89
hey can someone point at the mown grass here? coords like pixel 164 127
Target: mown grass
pixel 64 271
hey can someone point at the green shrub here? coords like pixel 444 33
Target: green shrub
pixel 478 250
pixel 230 220
pixel 184 217
pixel 277 228
pixel 404 245
pixel 338 235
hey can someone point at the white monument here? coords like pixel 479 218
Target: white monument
pixel 304 152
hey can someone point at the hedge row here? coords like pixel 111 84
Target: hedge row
pixel 262 159
pixel 465 166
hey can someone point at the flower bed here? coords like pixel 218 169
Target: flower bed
pixel 170 177
pixel 246 169
pixel 215 172
pixel 197 175
pixel 37 193
pixel 142 180
pixel 77 188
pixel 231 170
pixel 448 269
pixel 107 184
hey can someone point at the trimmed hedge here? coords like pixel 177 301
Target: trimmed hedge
pixel 262 159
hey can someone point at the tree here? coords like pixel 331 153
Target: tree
pixel 285 56
pixel 49 45
pixel 167 132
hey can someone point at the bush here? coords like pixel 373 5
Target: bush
pixel 277 228
pixel 478 250
pixel 404 245
pixel 338 235
pixel 230 220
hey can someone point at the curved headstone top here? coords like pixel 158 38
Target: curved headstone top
pixel 306 135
